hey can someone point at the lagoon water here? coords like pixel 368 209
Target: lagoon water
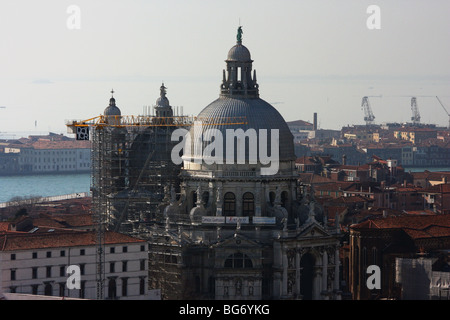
pixel 61 184
pixel 43 185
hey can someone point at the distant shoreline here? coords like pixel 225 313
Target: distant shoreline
pixel 27 174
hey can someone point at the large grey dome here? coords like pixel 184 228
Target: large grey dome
pixel 257 113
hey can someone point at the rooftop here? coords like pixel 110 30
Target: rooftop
pixel 69 238
pixel 416 226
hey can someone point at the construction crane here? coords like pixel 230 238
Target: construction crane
pixel 445 111
pixel 368 114
pixel 415 111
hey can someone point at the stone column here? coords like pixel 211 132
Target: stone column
pixel 239 201
pixel 336 268
pixel 285 273
pixel 258 199
pixel 219 197
pixel 324 270
pixel 297 273
pixel 277 265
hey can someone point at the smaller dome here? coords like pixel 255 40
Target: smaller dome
pixel 162 102
pixel 112 109
pixel 239 53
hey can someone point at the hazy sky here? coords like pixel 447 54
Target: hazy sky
pixel 310 56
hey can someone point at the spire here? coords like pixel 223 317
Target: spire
pixel 112 101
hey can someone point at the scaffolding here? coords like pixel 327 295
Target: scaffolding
pixel 132 170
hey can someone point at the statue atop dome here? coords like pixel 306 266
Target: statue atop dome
pixel 239 34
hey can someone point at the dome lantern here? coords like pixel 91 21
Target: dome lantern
pixel 239 81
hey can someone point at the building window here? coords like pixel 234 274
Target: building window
pixel 82 252
pixel 248 202
pixel 34 255
pixel 124 287
pixel 364 257
pixel 34 289
pixel 112 267
pixel 49 254
pixel 112 288
pixel 48 272
pixel 142 263
pixel 48 289
pixel 62 271
pixel 125 249
pixel 13 256
pixel 112 250
pixel 13 274
pixel 374 255
pixel 62 253
pixel 124 266
pixel 143 247
pixel 82 269
pixel 238 260
pixel 229 204
pixel 284 198
pixel 142 286
pixel 34 273
pixel 82 289
pixel 62 288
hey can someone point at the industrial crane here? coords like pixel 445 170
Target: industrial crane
pixel 415 111
pixel 444 110
pixel 368 114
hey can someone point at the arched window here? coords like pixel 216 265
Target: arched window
pixel 48 290
pixel 194 198
pixel 374 255
pixel 364 257
pixel 248 201
pixel 238 261
pixel 112 289
pixel 272 198
pixel 284 199
pixel 229 205
pixel 205 198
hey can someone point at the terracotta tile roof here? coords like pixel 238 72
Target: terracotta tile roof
pixel 64 220
pixel 417 227
pixel 26 241
pixel 44 144
pixel 4 226
pixel 311 178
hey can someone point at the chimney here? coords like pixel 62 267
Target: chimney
pixel 315 121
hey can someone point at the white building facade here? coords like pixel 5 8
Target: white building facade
pixel 37 264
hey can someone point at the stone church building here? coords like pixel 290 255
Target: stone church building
pixel 235 229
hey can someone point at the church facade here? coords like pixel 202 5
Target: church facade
pixel 239 226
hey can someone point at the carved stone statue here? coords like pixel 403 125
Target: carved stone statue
pixel 239 34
